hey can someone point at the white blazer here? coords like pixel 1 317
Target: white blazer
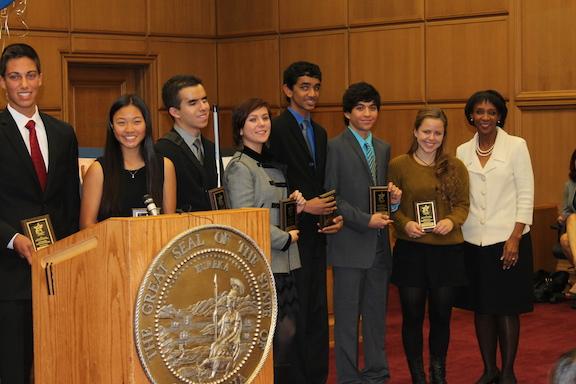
pixel 501 193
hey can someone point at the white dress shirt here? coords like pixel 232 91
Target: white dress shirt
pixel 21 121
pixel 501 192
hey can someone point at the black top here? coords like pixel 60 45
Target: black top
pixel 131 193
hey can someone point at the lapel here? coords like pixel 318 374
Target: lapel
pixel 381 163
pixel 358 153
pixel 496 159
pixel 174 137
pixel 53 149
pixel 10 130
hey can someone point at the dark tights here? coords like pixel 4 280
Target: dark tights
pixel 498 329
pixel 413 302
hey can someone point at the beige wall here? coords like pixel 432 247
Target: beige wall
pixel 416 52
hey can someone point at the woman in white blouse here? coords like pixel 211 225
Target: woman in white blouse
pixel 498 246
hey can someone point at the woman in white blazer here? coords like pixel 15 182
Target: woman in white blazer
pixel 498 246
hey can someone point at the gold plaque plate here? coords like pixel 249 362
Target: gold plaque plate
pixel 206 309
pixel 40 231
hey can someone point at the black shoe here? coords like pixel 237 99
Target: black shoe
pixel 416 367
pixel 437 370
pixel 489 378
pixel 507 380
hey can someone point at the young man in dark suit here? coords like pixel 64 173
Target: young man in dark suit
pixel 300 143
pixel 192 154
pixel 38 176
pixel 360 253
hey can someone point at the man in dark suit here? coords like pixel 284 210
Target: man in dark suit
pixel 300 143
pixel 192 154
pixel 38 176
pixel 360 253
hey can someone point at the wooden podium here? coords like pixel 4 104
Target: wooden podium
pixel 83 333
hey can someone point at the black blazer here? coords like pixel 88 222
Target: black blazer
pixel 21 196
pixel 289 147
pixel 193 179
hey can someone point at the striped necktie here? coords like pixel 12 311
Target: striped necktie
pixel 371 158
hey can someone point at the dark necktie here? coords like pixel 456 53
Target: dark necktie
pixel 309 137
pixel 36 154
pixel 197 144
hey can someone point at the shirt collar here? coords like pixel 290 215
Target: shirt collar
pixel 299 118
pixel 21 120
pixel 188 138
pixel 360 139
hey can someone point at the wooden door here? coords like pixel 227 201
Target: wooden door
pixel 92 89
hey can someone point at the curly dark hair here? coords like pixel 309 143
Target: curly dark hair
pixel 359 92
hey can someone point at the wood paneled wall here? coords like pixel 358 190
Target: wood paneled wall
pixel 416 52
pixel 174 36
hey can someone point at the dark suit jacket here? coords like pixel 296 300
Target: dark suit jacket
pixel 289 147
pixel 21 196
pixel 348 172
pixel 193 179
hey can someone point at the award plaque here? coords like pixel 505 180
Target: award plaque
pixel 426 215
pixel 327 220
pixel 288 215
pixel 39 229
pixel 380 200
pixel 218 199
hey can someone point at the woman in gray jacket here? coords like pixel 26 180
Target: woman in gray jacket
pixel 253 179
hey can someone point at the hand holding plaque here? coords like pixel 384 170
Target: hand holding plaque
pixel 425 213
pixel 40 231
pixel 327 220
pixel 288 215
pixel 380 200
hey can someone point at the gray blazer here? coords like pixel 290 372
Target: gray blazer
pixel 568 198
pixel 249 184
pixel 348 172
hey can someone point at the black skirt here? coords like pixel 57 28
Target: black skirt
pixel 428 266
pixel 494 290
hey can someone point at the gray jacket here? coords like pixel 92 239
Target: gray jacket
pixel 250 183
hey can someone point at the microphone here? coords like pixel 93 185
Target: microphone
pixel 151 207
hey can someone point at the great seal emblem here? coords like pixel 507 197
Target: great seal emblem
pixel 206 309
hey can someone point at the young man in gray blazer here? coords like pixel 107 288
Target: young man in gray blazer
pixel 360 253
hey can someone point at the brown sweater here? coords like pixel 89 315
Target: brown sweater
pixel 419 183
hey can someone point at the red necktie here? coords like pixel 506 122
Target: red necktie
pixel 36 154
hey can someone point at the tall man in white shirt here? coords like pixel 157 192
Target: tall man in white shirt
pixel 38 176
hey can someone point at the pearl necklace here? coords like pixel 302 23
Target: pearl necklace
pixel 482 152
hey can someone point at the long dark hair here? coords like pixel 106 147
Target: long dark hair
pixel 572 173
pixel 113 161
pixel 444 172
